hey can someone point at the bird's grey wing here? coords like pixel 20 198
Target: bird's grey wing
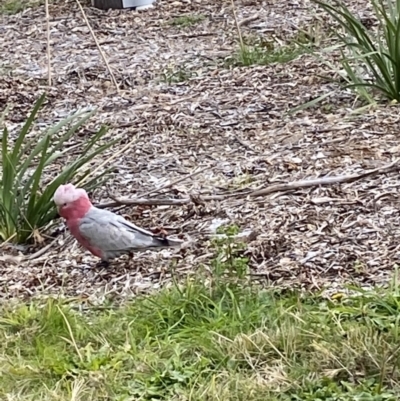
pixel 132 227
pixel 110 232
pixel 104 235
pixel 102 215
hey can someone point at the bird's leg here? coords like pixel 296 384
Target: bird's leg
pixel 103 263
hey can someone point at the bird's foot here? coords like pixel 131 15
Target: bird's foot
pixel 103 264
pixel 160 231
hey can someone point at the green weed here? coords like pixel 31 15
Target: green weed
pixel 172 75
pixel 263 54
pixel 185 21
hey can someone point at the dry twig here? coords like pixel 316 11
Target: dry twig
pixel 246 21
pixel 19 259
pixel 48 42
pixel 239 32
pixel 98 46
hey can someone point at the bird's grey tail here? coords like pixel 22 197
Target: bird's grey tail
pixel 160 242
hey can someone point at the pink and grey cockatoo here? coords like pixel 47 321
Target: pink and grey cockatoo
pixel 105 234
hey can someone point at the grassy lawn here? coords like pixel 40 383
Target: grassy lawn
pixel 217 338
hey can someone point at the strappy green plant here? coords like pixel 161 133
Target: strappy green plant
pixel 26 202
pixel 370 58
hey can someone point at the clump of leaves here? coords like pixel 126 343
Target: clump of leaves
pixel 25 204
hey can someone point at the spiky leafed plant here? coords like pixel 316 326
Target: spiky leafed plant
pixel 370 57
pixel 25 203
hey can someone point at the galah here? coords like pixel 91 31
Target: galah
pixel 105 234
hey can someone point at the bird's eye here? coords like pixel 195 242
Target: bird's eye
pixel 64 204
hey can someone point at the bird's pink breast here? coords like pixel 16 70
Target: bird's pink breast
pixel 73 213
pixel 73 225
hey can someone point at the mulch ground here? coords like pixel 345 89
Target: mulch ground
pixel 181 107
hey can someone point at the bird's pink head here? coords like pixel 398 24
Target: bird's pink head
pixel 72 203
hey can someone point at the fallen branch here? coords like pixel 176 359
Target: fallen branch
pixel 157 190
pixel 253 193
pixel 155 201
pixel 340 179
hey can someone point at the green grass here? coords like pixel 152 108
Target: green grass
pixel 255 50
pixel 259 54
pixel 189 344
pixel 185 21
pixel 15 6
pixel 210 338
